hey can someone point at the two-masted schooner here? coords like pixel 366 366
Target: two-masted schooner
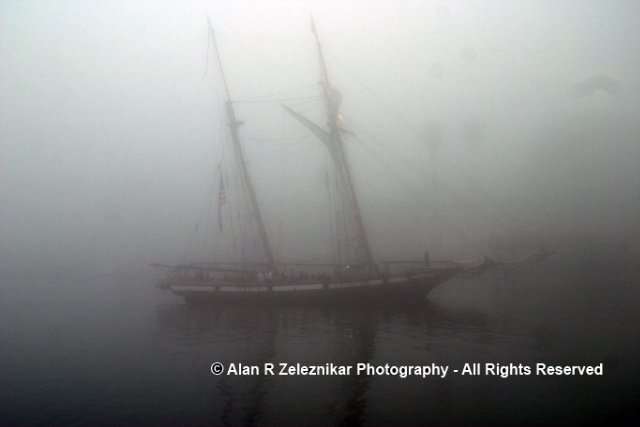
pixel 357 275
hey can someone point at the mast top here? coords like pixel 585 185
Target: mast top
pixel 333 140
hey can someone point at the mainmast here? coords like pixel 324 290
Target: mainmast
pixel 333 140
pixel 234 124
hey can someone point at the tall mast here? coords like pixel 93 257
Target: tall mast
pixel 234 124
pixel 336 148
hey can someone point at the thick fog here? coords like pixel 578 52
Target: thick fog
pixel 112 124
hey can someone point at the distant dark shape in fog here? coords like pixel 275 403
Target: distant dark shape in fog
pixel 596 83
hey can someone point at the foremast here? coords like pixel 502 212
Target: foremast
pixel 334 143
pixel 234 124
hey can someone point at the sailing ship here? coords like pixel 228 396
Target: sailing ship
pixel 356 275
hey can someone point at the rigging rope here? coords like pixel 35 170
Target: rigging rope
pixel 419 194
pixel 507 214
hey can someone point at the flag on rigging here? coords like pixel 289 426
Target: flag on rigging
pixel 222 199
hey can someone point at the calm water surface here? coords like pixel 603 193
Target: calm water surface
pixel 116 351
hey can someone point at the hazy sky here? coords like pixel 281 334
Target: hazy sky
pixel 110 129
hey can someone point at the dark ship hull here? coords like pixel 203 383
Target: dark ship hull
pixel 400 287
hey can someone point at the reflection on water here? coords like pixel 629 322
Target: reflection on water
pixel 115 351
pixel 308 335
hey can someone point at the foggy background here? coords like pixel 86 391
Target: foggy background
pixel 110 130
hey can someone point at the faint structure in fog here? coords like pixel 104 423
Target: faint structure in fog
pixel 600 82
pixel 433 136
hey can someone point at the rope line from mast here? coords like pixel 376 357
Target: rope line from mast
pixel 507 214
